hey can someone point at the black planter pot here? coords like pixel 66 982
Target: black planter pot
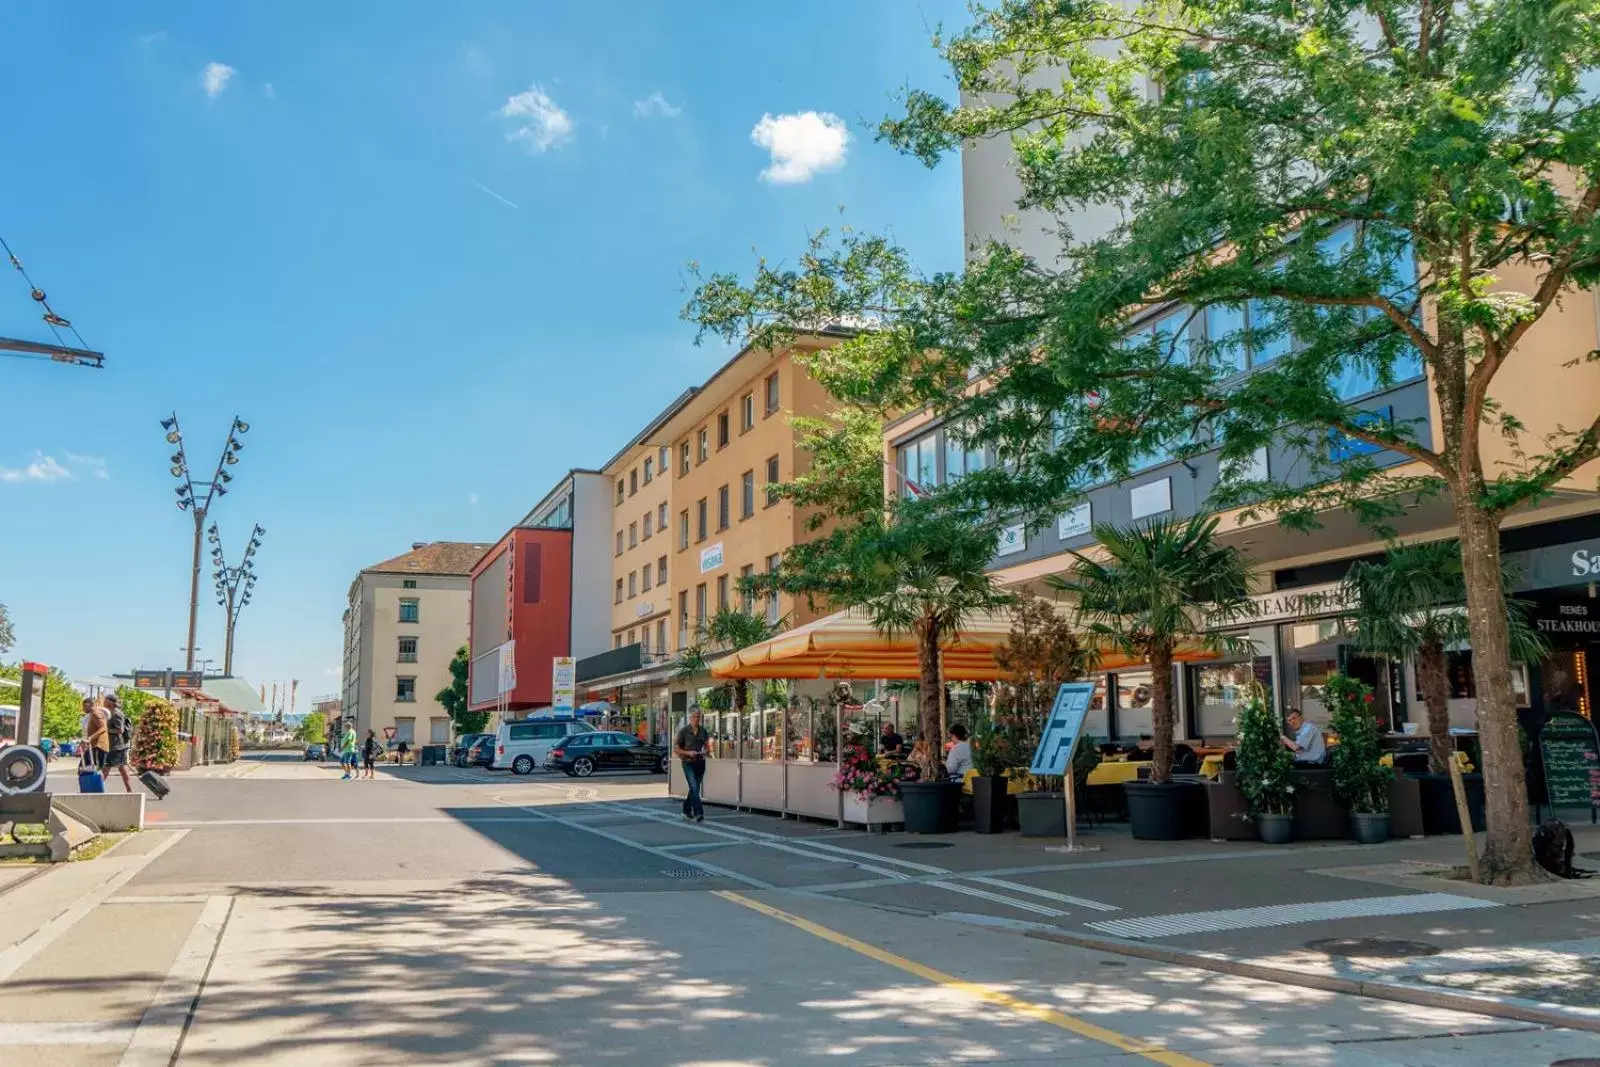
pixel 1438 798
pixel 990 804
pixel 931 807
pixel 1042 814
pixel 1162 812
pixel 1369 828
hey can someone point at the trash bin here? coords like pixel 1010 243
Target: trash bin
pixel 433 755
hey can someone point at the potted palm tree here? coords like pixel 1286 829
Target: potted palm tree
pixel 1410 605
pixel 1360 781
pixel 727 631
pixel 1157 587
pixel 1265 764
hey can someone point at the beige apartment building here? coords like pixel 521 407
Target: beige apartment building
pixel 405 619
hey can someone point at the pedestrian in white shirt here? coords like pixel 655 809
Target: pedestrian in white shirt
pixel 958 761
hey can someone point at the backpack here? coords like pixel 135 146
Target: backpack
pixel 120 730
pixel 1553 848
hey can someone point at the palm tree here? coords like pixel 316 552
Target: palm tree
pixel 727 631
pixel 1158 587
pixel 1411 604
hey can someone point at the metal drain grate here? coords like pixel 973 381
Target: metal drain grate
pixel 1372 948
pixel 926 844
pixel 688 872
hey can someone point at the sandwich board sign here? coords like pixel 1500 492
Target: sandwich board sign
pixel 1059 740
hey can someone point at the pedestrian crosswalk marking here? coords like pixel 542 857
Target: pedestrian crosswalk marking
pixel 1205 922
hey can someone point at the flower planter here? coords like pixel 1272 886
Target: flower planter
pixel 1162 812
pixel 990 804
pixel 1369 827
pixel 1439 814
pixel 1275 829
pixel 872 811
pixel 931 807
pixel 1042 814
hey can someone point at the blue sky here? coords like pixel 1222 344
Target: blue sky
pixel 433 253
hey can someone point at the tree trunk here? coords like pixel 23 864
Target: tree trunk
pixel 928 634
pixel 1435 686
pixel 1508 844
pixel 1161 712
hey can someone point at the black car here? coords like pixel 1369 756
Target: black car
pixel 461 754
pixel 581 755
pixel 481 754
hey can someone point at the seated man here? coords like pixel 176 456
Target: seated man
pixel 1305 740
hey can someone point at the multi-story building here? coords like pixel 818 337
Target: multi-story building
pixel 543 586
pixel 405 619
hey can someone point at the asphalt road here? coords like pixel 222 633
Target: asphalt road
pixel 275 913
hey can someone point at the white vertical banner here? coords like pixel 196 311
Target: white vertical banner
pixel 507 668
pixel 564 683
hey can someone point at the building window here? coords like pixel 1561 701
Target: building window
pixel 647 520
pixel 661 635
pixel 722 592
pixel 408 650
pixel 633 535
pixel 722 430
pixel 438 731
pixel 633 481
pixel 633 637
pixel 649 469
pixel 683 618
pixel 700 605
pixel 644 578
pixel 683 529
pixel 661 571
pixel 405 730
pixel 772 392
pixel 410 610
pixel 661 516
pixel 683 459
pixel 747 495
pixel 772 480
pixel 633 584
pixel 700 512
pixel 747 572
pixel 747 412
pixel 664 460
pixel 622 490
pixel 644 640
pixel 773 562
pixel 703 441
pixel 405 690
pixel 619 542
pixel 619 591
pixel 722 508
pixel 408 583
pixel 616 640
pixel 918 465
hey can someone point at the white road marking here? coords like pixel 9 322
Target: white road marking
pixel 1201 922
pixel 155 1042
pixel 17 955
pixel 1047 894
pixel 190 898
pixel 64 1033
pixel 198 823
pixel 998 898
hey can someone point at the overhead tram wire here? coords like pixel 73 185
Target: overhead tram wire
pixel 79 355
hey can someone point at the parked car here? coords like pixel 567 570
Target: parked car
pixel 316 752
pixel 584 754
pixel 481 754
pixel 523 744
pixel 464 745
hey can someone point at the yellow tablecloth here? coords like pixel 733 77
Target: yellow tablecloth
pixel 1013 785
pixel 1116 772
pixel 1211 766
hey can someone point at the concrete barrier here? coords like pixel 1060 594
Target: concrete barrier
pixel 106 812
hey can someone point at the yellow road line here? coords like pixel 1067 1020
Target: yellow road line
pixel 972 989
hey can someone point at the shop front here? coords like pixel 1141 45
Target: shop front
pixel 1560 585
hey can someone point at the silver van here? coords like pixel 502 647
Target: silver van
pixel 523 744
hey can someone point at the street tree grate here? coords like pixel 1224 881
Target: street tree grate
pixel 688 872
pixel 1372 948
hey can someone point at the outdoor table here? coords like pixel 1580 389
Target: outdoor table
pixel 1013 785
pixel 1211 766
pixel 1116 772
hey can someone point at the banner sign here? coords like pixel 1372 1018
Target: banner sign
pixel 1061 732
pixel 563 683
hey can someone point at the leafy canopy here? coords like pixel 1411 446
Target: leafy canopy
pixel 453 697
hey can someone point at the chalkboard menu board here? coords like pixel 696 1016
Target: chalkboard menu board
pixel 1571 754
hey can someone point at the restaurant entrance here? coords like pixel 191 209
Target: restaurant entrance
pixel 1570 621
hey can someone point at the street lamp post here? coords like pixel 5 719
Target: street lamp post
pixel 234 585
pixel 191 500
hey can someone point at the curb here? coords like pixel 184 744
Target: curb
pixel 1476 1003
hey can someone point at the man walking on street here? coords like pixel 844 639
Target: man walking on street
pixel 691 749
pixel 347 751
pixel 97 738
pixel 119 732
pixel 369 754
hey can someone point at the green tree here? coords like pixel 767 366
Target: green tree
pixel 727 631
pixel 1411 604
pixel 133 702
pixel 8 636
pixel 1159 587
pixel 1344 192
pixel 453 697
pixel 313 729
pixel 62 711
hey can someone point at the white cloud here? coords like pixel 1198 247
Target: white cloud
pixel 536 121
pixel 655 106
pixel 472 498
pixel 43 469
pixel 269 91
pixel 214 79
pixel 93 465
pixel 802 145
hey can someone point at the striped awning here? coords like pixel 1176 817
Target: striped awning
pixel 846 644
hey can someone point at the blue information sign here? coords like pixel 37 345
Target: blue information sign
pixel 1061 732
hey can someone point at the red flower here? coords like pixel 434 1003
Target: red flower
pixel 1368 698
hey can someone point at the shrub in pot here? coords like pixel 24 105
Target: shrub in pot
pixel 994 756
pixel 1264 766
pixel 1360 779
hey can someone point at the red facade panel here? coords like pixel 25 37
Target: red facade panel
pixel 536 598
